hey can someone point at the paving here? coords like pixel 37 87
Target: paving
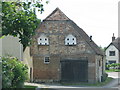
pixel 115 83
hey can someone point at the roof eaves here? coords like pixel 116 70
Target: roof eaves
pixel 86 38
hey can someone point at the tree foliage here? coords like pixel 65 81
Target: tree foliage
pixel 19 19
pixel 14 73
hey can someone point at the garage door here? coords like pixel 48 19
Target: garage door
pixel 74 70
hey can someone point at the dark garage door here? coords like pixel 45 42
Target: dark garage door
pixel 74 70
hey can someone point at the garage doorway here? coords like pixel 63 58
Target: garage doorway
pixel 74 70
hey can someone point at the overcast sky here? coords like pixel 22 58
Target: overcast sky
pixel 98 18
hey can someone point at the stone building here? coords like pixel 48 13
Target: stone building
pixel 62 51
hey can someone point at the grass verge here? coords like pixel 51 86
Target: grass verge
pixel 28 86
pixel 113 70
pixel 87 84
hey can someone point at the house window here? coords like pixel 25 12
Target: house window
pixel 43 40
pixel 70 40
pixel 111 53
pixel 110 62
pixel 46 60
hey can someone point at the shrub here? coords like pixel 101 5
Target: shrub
pixel 104 77
pixel 113 66
pixel 14 73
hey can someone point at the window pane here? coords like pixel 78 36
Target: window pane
pixel 110 62
pixel 46 60
pixel 111 53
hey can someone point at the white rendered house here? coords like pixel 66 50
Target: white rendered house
pixel 112 52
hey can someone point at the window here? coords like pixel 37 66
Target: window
pixel 43 40
pixel 110 62
pixel 111 53
pixel 46 60
pixel 70 40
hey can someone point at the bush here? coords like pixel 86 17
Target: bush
pixel 113 66
pixel 14 73
pixel 104 77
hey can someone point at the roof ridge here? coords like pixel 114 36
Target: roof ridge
pixel 57 14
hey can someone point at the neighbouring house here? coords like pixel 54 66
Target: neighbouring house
pixel 112 51
pixel 27 59
pixel 10 46
pixel 62 51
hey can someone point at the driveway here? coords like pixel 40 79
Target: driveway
pixel 113 74
pixel 112 84
pixel 116 79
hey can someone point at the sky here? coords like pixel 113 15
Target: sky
pixel 98 18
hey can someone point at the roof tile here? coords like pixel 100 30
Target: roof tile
pixel 57 14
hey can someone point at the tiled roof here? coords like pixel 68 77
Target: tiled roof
pixel 116 43
pixel 87 39
pixel 57 14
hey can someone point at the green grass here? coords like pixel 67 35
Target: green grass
pixel 28 86
pixel 113 70
pixel 87 84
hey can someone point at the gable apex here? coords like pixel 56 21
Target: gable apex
pixel 57 14
pixel 115 43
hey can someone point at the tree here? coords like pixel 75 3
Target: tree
pixel 19 19
pixel 14 73
pixel 102 48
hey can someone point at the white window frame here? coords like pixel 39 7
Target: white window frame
pixel 112 53
pixel 43 40
pixel 45 60
pixel 70 40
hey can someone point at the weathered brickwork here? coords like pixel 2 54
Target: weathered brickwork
pixel 46 71
pixel 56 29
